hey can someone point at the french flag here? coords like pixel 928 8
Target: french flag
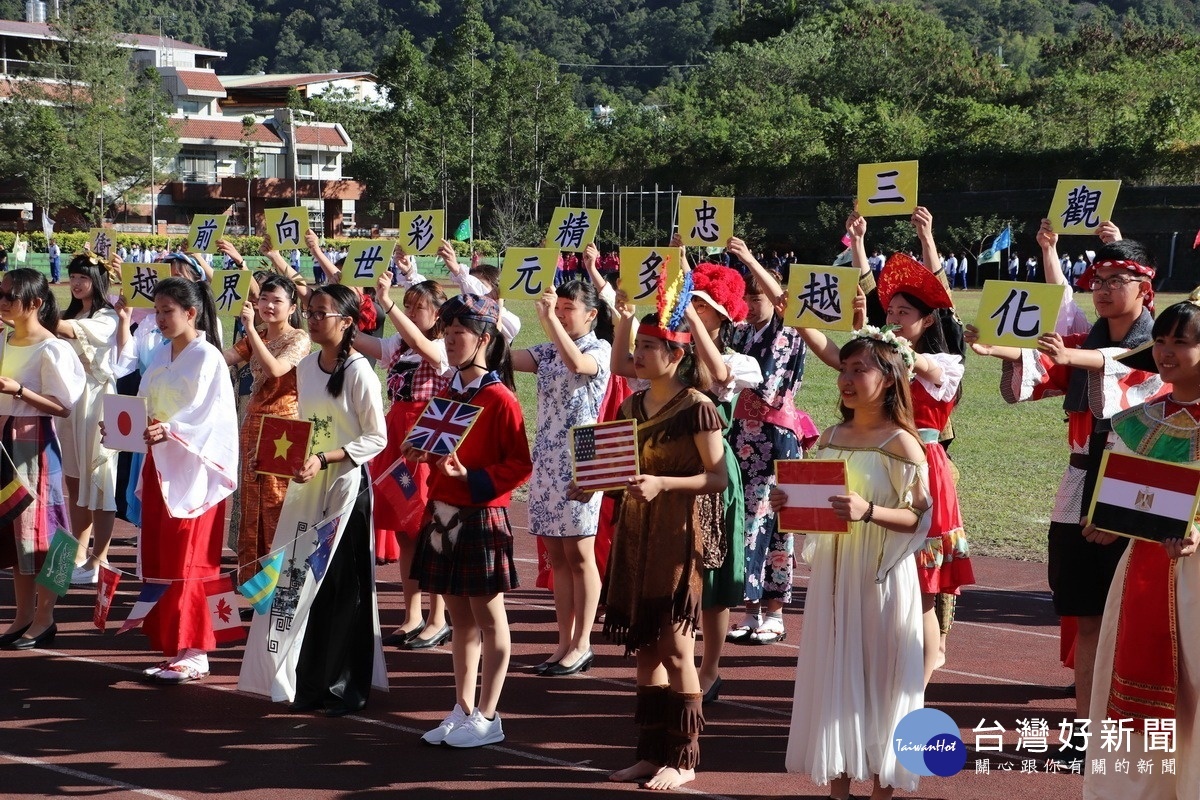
pixel 1145 498
pixel 808 485
pixel 150 594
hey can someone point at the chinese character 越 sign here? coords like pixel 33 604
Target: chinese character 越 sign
pixel 1080 206
pixel 705 221
pixel 365 261
pixel 527 271
pixel 640 268
pixel 205 230
pixel 888 189
pixel 821 297
pixel 573 229
pixel 421 231
pixel 287 226
pixel 230 288
pixel 1016 313
pixel 138 282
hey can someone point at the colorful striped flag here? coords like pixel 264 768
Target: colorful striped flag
pixel 150 594
pixel 808 485
pixel 260 588
pixel 318 561
pixel 604 456
pixel 106 590
pixel 223 609
pixel 14 497
pixel 1144 498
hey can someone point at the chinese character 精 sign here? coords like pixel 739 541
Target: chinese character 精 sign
pixel 821 297
pixel 138 282
pixel 1080 206
pixel 231 289
pixel 365 261
pixel 205 231
pixel 102 242
pixel 287 226
pixel 527 271
pixel 640 268
pixel 705 221
pixel 888 189
pixel 573 229
pixel 1016 313
pixel 421 231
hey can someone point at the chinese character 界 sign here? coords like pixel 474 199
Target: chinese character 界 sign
pixel 205 230
pixel 887 189
pixel 527 271
pixel 705 221
pixel 821 297
pixel 138 282
pixel 365 261
pixel 1080 206
pixel 1016 313
pixel 287 226
pixel 421 231
pixel 573 229
pixel 640 268
pixel 231 289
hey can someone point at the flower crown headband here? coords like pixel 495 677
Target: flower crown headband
pixel 887 335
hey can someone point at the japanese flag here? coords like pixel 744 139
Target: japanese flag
pixel 223 609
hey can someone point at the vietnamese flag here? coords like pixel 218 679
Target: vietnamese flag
pixel 223 609
pixel 809 484
pixel 282 445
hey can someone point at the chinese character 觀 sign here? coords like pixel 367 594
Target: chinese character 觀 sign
pixel 365 260
pixel 640 268
pixel 138 282
pixel 527 271
pixel 287 226
pixel 230 288
pixel 887 189
pixel 573 229
pixel 1015 313
pixel 1080 206
pixel 421 231
pixel 705 221
pixel 205 231
pixel 821 297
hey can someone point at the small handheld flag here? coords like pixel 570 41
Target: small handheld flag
pixel 283 445
pixel 223 610
pixel 318 561
pixel 604 456
pixel 260 588
pixel 150 594
pixel 442 426
pixel 106 590
pixel 55 574
pixel 1144 498
pixel 809 484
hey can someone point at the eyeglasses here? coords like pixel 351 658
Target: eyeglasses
pixel 318 316
pixel 1112 284
pixel 9 296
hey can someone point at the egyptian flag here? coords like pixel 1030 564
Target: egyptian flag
pixel 150 594
pixel 1144 498
pixel 808 485
pixel 106 590
pixel 223 610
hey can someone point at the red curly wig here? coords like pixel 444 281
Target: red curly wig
pixel 723 285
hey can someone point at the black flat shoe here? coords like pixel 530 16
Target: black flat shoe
pixel 27 643
pixel 541 668
pixel 9 638
pixel 438 638
pixel 400 638
pixel 582 664
pixel 713 692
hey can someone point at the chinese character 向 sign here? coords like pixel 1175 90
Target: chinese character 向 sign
pixel 287 226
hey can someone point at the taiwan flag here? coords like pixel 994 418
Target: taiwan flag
pixel 1144 498
pixel 223 610
pixel 808 485
pixel 282 445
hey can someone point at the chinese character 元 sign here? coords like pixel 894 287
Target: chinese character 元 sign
pixel 527 271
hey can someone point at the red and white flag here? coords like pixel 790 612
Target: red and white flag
pixel 808 485
pixel 223 609
pixel 150 594
pixel 442 426
pixel 106 589
pixel 604 456
pixel 1144 498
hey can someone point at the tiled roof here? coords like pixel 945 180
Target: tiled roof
pixel 222 130
pixel 201 80
pixel 320 135
pixel 41 30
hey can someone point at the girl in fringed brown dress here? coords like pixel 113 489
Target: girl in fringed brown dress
pixel 655 567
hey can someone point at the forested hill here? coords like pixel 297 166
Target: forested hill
pixel 303 36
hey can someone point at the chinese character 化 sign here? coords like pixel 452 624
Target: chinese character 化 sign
pixel 1016 313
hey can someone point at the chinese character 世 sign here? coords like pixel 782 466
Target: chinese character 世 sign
pixel 1016 313
pixel 1080 206
pixel 365 261
pixel 888 189
pixel 821 297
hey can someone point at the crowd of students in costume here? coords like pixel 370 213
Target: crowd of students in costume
pixel 713 383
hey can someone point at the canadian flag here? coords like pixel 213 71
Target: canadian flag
pixel 223 609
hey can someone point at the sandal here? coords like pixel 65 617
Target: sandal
pixel 741 633
pixel 179 673
pixel 769 632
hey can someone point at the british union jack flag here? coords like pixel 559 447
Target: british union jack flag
pixel 442 426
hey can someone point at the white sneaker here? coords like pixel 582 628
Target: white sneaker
pixel 476 731
pixel 438 735
pixel 82 576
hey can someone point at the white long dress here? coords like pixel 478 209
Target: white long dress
pixel 861 665
pixel 84 456
pixel 353 421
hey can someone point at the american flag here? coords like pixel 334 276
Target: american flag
pixel 442 426
pixel 605 455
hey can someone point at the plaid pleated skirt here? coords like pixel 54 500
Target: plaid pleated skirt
pixel 465 551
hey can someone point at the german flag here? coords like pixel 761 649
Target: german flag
pixel 14 497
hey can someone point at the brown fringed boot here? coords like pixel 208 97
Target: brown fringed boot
pixel 685 720
pixel 651 718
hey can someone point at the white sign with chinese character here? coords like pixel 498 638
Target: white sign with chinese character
pixel 421 231
pixel 640 268
pixel 527 271
pixel 1016 313
pixel 138 282
pixel 366 261
pixel 1080 206
pixel 821 297
pixel 286 226
pixel 205 231
pixel 231 290
pixel 705 221
pixel 573 229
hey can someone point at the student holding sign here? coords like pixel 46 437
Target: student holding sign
pixel 40 378
pixel 1079 360
pixel 861 664
pixel 1148 656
